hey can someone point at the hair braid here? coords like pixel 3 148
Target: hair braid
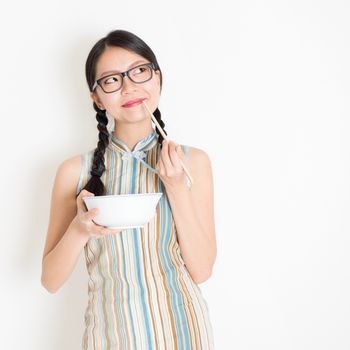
pixel 95 185
pixel 157 114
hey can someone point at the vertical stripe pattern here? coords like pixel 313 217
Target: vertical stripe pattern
pixel 140 293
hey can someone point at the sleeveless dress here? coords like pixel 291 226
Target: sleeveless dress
pixel 140 293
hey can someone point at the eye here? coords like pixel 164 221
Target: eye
pixel 141 69
pixel 111 80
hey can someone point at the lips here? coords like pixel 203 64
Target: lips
pixel 133 102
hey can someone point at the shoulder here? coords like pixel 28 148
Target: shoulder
pixel 70 171
pixel 70 167
pixel 197 160
pixel 196 155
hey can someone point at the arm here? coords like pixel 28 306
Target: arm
pixel 193 212
pixel 60 262
pixel 63 243
pixel 70 226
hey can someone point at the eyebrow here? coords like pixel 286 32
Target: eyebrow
pixel 116 71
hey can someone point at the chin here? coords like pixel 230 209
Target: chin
pixel 134 118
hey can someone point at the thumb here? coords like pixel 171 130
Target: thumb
pixel 80 201
pixel 89 215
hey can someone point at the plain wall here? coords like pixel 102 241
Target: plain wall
pixel 262 87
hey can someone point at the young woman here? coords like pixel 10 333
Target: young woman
pixel 142 287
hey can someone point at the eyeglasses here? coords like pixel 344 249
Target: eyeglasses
pixel 114 82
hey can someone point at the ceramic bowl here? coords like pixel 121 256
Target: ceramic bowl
pixel 124 211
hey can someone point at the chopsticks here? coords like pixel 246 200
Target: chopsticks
pixel 166 138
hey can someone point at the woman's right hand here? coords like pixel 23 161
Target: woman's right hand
pixel 83 220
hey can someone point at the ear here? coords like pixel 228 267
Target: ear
pixel 96 99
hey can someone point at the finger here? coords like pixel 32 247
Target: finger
pixel 165 157
pixel 160 167
pixel 113 230
pixel 104 231
pixel 181 156
pixel 174 157
pixel 89 215
pixel 79 199
pixel 180 152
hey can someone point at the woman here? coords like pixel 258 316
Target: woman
pixel 142 288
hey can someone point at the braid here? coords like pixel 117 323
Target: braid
pixel 161 123
pixel 95 185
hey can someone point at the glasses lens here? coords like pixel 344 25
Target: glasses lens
pixel 141 73
pixel 111 83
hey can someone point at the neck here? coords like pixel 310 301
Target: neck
pixel 131 134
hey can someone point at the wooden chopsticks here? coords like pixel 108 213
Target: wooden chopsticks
pixel 166 138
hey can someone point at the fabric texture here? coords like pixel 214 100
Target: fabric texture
pixel 140 293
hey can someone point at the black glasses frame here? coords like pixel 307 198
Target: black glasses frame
pixel 123 74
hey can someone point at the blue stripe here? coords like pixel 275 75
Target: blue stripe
pixel 111 167
pixel 121 175
pixel 185 149
pixel 133 182
pixel 174 287
pixel 144 308
pixel 82 171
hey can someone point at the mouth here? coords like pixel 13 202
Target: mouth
pixel 133 103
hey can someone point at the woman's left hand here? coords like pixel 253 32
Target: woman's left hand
pixel 169 167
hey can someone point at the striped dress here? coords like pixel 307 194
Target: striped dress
pixel 140 293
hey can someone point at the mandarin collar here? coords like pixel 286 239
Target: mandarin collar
pixel 141 146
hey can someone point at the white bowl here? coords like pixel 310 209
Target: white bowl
pixel 124 210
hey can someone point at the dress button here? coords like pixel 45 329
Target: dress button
pixel 140 154
pixel 125 156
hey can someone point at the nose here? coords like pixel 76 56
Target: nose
pixel 128 84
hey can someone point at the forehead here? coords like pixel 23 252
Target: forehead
pixel 116 59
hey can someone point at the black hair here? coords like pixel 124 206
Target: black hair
pixel 131 42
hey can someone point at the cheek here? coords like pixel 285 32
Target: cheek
pixel 152 91
pixel 112 100
pixel 112 104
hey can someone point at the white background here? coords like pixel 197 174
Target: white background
pixel 263 87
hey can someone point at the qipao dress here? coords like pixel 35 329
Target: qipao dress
pixel 140 293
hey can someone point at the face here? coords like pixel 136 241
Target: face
pixel 120 60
